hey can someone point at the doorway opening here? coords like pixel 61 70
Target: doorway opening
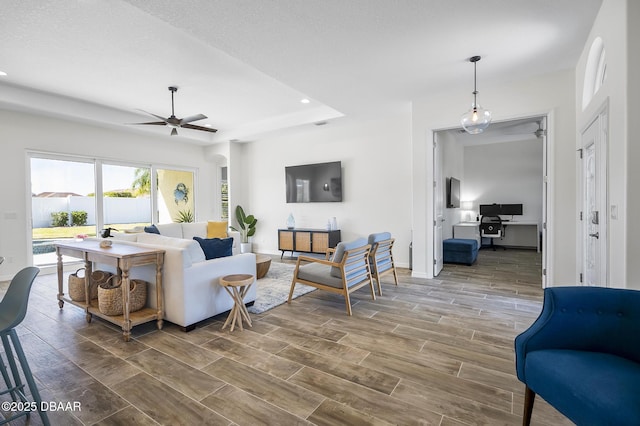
pixel 505 165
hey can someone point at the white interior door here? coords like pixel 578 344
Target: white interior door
pixel 594 204
pixel 438 206
pixel 545 192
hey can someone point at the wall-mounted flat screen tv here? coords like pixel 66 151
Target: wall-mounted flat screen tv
pixel 314 183
pixel 453 193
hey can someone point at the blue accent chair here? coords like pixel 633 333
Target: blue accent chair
pixel 582 355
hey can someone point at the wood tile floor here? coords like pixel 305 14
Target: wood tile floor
pixel 436 352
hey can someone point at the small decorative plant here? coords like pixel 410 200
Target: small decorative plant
pixel 184 216
pixel 247 224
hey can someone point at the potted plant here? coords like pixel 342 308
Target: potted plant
pixel 247 227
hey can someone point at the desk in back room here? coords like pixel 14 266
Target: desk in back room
pixel 516 233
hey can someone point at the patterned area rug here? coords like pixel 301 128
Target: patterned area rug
pixel 273 288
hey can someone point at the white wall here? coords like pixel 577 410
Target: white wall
pixel 376 161
pixel 617 24
pixel 553 94
pixel 632 244
pixel 21 132
pixel 505 173
pixel 452 166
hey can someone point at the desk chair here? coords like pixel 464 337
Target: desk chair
pixel 491 227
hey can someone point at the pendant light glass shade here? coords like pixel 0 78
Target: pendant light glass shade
pixel 477 119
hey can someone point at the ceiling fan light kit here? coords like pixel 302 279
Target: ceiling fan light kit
pixel 477 119
pixel 175 122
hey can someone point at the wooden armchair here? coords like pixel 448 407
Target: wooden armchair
pixel 343 271
pixel 381 257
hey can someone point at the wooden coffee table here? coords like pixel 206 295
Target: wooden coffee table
pixel 237 286
pixel 262 265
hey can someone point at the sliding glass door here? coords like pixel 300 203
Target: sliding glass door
pixel 77 197
pixel 126 196
pixel 62 203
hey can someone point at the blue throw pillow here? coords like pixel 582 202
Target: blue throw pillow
pixel 152 229
pixel 214 248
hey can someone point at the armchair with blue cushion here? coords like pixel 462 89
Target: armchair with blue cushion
pixel 344 270
pixel 381 257
pixel 582 355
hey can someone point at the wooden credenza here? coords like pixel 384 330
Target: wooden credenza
pixel 307 240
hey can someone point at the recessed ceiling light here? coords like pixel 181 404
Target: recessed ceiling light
pixel 305 101
pixel 3 74
pixel 207 125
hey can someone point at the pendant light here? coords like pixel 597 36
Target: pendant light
pixel 477 119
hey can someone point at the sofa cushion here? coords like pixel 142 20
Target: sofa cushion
pixel 170 229
pixel 215 247
pixel 217 229
pixel 194 229
pixel 193 252
pixel 319 273
pixel 122 236
pixel 151 229
pixel 588 387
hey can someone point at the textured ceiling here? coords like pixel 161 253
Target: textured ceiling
pixel 247 63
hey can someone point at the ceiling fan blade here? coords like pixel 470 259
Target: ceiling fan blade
pixel 194 127
pixel 192 118
pixel 520 128
pixel 156 116
pixel 154 123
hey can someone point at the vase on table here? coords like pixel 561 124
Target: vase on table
pixel 291 222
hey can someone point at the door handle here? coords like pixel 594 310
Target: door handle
pixel 596 235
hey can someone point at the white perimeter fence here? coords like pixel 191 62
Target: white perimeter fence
pixel 116 209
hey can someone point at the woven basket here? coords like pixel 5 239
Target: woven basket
pixel 110 296
pixel 76 284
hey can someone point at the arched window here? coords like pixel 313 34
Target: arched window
pixel 595 72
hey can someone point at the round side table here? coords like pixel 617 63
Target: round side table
pixel 237 286
pixel 263 263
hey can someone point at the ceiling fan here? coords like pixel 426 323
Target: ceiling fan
pixel 175 122
pixel 525 128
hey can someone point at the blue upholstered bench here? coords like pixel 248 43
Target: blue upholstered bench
pixel 459 250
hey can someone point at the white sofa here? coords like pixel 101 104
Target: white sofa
pixel 192 292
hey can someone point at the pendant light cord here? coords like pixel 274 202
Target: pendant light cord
pixel 475 86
